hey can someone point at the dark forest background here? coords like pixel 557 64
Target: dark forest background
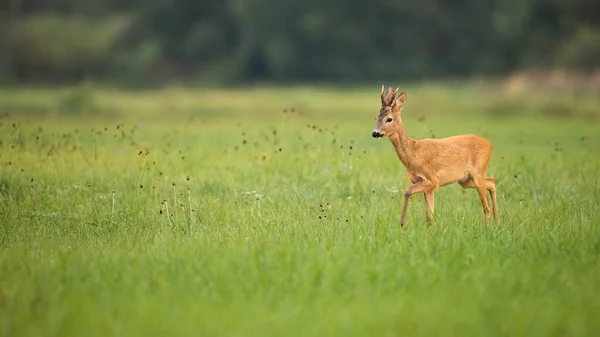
pixel 294 41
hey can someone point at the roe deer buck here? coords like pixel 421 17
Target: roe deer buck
pixel 432 163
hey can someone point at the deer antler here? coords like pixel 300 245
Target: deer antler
pixel 388 98
pixel 393 102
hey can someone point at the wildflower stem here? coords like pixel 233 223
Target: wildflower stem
pixel 141 173
pixel 175 201
pixel 190 204
pixel 167 211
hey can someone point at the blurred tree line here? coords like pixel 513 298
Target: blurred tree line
pixel 301 40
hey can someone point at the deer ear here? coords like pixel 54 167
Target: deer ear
pixel 401 100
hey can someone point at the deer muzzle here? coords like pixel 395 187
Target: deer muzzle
pixel 376 134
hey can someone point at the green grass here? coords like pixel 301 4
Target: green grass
pixel 287 224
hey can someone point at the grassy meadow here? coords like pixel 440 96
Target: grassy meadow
pixel 273 212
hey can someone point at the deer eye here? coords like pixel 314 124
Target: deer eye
pixel 389 120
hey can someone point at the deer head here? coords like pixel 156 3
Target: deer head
pixel 389 119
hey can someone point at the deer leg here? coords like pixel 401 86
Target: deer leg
pixel 490 185
pixel 480 187
pixel 418 187
pixel 481 192
pixel 429 205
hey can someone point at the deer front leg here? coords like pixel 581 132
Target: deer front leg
pixel 429 205
pixel 419 187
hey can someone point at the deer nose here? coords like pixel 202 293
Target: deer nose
pixel 376 134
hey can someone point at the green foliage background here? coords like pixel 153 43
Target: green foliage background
pixel 141 42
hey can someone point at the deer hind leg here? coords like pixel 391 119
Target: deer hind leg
pixel 421 186
pixel 429 205
pixel 490 185
pixel 480 186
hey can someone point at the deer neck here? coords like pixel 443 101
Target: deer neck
pixel 403 144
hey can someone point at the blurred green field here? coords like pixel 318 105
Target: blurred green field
pixel 273 212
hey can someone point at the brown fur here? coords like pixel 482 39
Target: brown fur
pixel 432 163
